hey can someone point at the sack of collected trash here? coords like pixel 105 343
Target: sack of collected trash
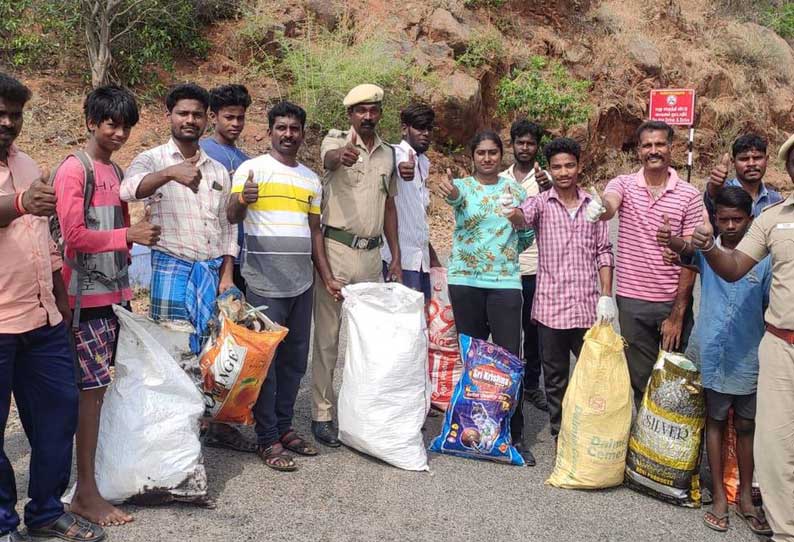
pixel 148 448
pixel 236 358
pixel 664 449
pixel 443 355
pixel 596 416
pixel 730 466
pixel 385 392
pixel 477 422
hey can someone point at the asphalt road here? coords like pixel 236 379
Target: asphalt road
pixel 342 495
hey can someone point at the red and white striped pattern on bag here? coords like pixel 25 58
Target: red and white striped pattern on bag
pixel 443 355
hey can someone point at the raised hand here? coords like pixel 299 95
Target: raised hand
pixel 187 173
pixel 350 153
pixel 665 233
pixel 542 178
pixel 703 236
pixel 506 201
pixel 39 199
pixel 144 232
pixel 446 187
pixel 407 168
pixel 250 189
pixel 595 208
pixel 720 172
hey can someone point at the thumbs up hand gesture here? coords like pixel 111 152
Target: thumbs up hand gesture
pixel 664 233
pixel 446 187
pixel 144 232
pixel 542 177
pixel 250 189
pixel 39 199
pixel 350 152
pixel 703 237
pixel 187 173
pixel 595 208
pixel 720 172
pixel 407 169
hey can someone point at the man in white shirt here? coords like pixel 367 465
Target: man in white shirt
pixel 525 139
pixel 412 200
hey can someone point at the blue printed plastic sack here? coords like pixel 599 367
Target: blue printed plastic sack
pixel 477 423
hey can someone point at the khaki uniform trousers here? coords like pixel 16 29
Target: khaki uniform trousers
pixel 349 266
pixel 774 435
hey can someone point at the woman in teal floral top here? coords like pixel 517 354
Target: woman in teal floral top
pixel 484 279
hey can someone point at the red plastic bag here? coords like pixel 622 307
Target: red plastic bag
pixel 730 465
pixel 443 353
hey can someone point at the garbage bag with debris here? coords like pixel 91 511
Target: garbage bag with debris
pixel 236 358
pixel 664 449
pixel 443 354
pixel 596 416
pixel 149 430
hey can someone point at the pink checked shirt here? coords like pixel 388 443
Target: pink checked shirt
pixel 641 271
pixel 570 253
pixel 194 226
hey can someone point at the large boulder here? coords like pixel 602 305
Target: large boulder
pixel 644 54
pixel 443 26
pixel 327 12
pixel 459 108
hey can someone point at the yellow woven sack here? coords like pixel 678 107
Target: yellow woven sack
pixel 596 416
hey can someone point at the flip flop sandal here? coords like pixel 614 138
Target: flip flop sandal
pixel 67 522
pixel 294 443
pixel 271 457
pixel 230 440
pixel 760 519
pixel 715 525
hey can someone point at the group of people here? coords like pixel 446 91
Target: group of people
pixel 531 269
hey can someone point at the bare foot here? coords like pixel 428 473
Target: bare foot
pixel 95 508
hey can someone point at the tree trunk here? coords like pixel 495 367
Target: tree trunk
pixel 98 36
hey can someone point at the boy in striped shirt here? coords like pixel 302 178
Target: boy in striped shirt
pixel 278 199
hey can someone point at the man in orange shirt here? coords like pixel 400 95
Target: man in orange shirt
pixel 36 361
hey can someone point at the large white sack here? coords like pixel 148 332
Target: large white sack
pixel 149 429
pixel 385 391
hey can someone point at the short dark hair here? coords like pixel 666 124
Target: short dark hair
pixel 734 197
pixel 418 115
pixel 749 142
pixel 229 95
pixel 653 126
pixel 562 145
pixel 187 91
pixel 286 109
pixel 523 127
pixel 12 90
pixel 111 102
pixel 485 135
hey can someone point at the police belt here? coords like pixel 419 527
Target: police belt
pixel 784 334
pixel 351 240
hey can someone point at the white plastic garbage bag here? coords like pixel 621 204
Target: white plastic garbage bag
pixel 386 390
pixel 149 429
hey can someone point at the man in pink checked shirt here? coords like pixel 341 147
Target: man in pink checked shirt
pixel 574 258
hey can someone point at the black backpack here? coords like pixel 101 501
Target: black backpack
pixel 78 264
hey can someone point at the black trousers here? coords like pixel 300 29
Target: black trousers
pixel 531 343
pixel 496 313
pixel 556 347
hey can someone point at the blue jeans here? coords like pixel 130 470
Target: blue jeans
pixel 415 280
pixel 38 367
pixel 275 406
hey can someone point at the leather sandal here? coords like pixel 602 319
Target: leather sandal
pixel 295 443
pixel 70 527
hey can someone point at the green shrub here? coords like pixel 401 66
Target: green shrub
pixel 36 33
pixel 484 48
pixel 780 19
pixel 323 66
pixel 544 92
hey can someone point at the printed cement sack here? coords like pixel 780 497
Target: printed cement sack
pixel 596 416
pixel 730 466
pixel 236 359
pixel 443 355
pixel 664 448
pixel 385 392
pixel 477 423
pixel 149 430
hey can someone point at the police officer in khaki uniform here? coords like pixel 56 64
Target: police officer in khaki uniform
pixel 358 210
pixel 771 233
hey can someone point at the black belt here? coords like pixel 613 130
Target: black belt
pixel 351 240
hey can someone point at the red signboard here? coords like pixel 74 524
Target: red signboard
pixel 673 106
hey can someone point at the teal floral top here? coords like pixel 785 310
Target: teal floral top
pixel 485 246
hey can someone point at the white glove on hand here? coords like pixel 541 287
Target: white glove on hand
pixel 606 311
pixel 506 201
pixel 595 208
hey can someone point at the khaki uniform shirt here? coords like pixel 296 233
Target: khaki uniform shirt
pixel 773 233
pixel 527 260
pixel 354 198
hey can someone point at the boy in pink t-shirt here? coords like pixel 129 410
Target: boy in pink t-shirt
pixel 96 256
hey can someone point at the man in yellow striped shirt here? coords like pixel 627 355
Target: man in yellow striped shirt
pixel 279 201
